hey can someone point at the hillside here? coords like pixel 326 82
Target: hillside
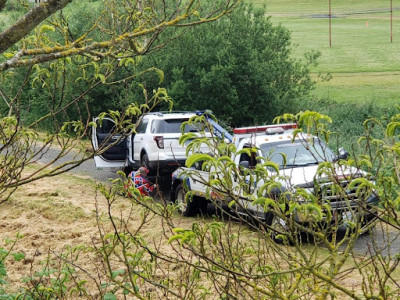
pixel 361 52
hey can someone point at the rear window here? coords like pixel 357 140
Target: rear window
pixel 170 126
pixel 167 126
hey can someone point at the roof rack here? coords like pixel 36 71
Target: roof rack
pixel 161 113
pixel 263 128
pixel 197 112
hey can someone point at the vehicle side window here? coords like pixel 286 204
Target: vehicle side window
pixel 107 126
pixel 252 160
pixel 153 126
pixel 142 126
pixel 244 157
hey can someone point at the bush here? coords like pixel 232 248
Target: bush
pixel 239 67
pixel 348 119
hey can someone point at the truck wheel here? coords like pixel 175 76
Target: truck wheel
pixel 202 205
pixel 275 226
pixel 185 208
pixel 127 170
pixel 368 223
pixel 144 162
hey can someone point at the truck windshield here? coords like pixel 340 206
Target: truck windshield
pixel 300 153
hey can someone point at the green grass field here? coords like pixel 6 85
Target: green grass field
pixel 363 61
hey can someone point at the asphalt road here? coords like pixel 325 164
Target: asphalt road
pixel 381 239
pixel 87 168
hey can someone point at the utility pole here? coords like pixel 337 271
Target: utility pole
pixel 391 21
pixel 330 24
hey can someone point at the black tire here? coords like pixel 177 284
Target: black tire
pixel 368 223
pixel 186 208
pixel 276 228
pixel 127 170
pixel 144 162
pixel 202 205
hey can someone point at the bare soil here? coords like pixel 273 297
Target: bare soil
pixel 55 213
pixel 49 214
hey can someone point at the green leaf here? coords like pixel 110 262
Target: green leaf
pixel 3 271
pixel 197 157
pixel 265 202
pixel 109 296
pixel 312 210
pixel 160 74
pixel 116 273
pixel 18 256
pixel 179 230
pixel 296 132
pixel 187 137
pixel 8 55
pixel 270 164
pixel 45 28
pixel 174 237
pixel 360 184
pixel 391 128
pixel 101 77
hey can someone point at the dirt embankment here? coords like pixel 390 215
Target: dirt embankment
pixel 55 213
pixel 49 214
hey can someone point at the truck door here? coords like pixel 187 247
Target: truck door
pixel 199 178
pixel 139 141
pixel 102 137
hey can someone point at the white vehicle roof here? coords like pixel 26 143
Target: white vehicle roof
pixel 257 135
pixel 169 115
pixel 262 139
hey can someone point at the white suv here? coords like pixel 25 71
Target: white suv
pixel 155 144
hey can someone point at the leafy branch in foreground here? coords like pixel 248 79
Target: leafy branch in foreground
pixel 231 255
pixel 128 29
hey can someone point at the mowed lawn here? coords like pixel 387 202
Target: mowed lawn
pixel 364 58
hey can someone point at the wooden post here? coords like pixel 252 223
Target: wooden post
pixel 330 25
pixel 391 21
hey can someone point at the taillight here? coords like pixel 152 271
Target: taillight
pixel 160 141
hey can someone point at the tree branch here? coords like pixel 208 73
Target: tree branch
pixel 38 56
pixel 28 22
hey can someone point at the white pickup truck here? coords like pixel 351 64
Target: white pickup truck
pixel 297 162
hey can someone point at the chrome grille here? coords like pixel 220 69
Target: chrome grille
pixel 332 193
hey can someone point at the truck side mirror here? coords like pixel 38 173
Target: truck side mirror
pixel 343 154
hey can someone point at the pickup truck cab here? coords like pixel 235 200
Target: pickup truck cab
pixel 298 160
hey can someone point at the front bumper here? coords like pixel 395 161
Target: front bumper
pixel 348 210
